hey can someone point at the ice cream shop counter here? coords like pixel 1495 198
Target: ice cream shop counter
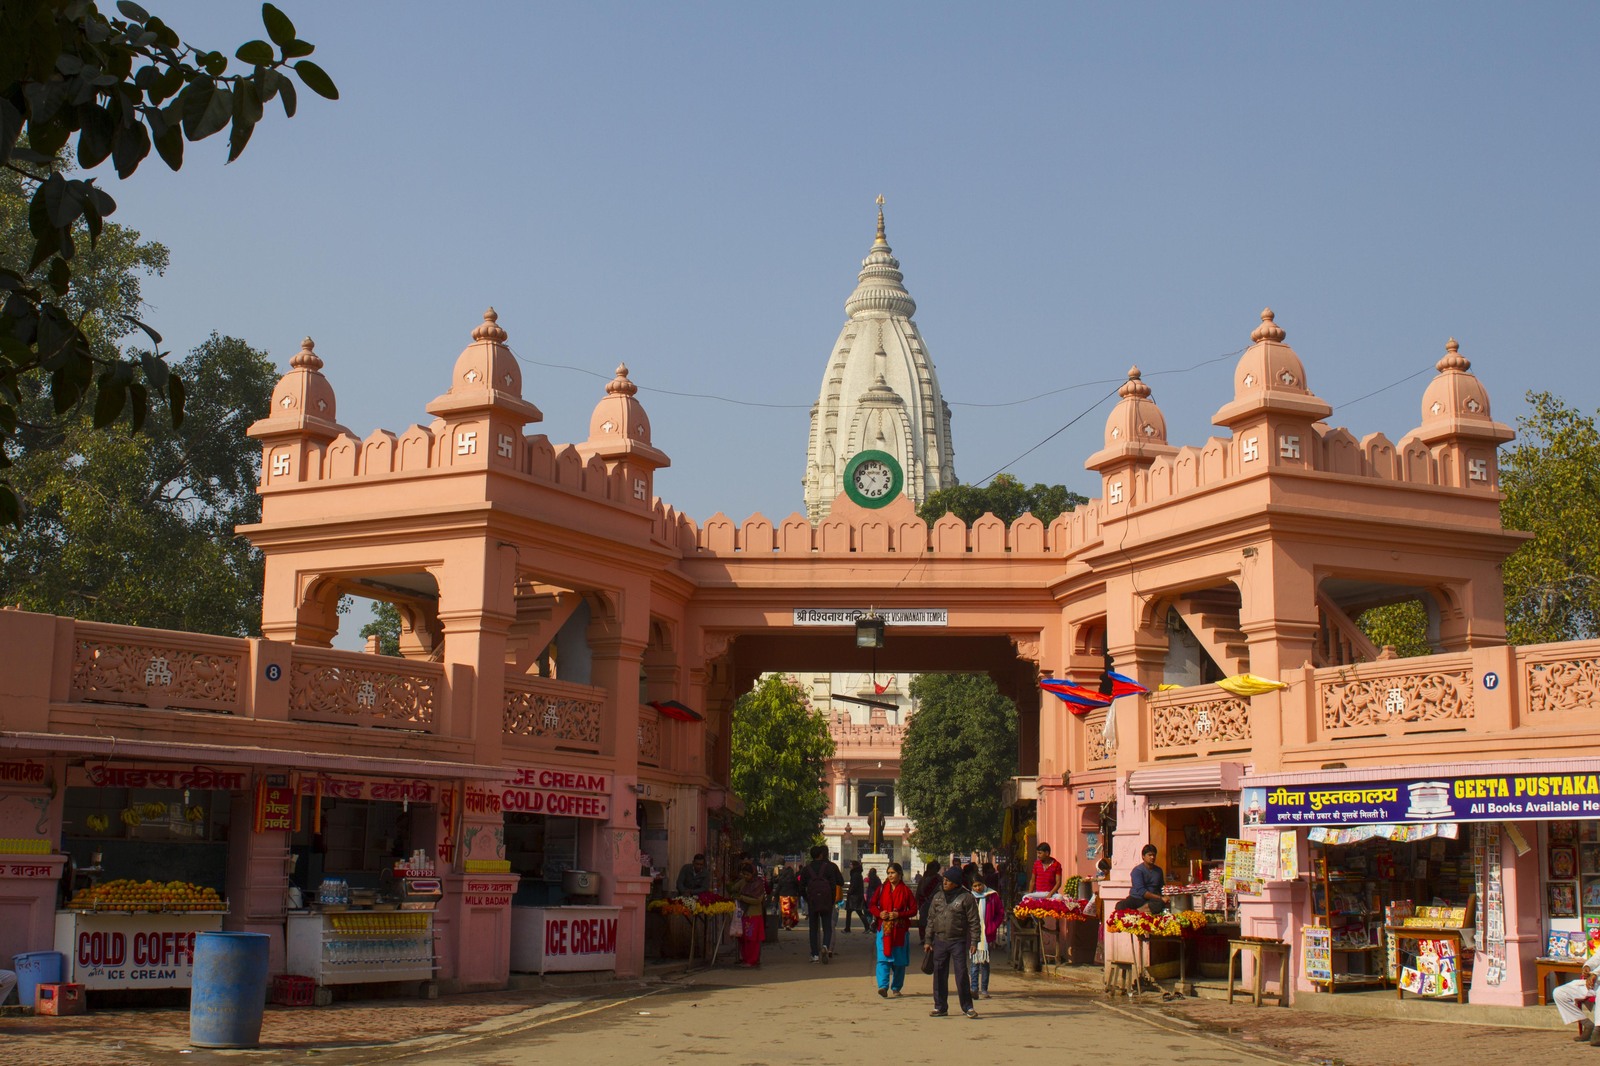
pixel 128 949
pixel 563 939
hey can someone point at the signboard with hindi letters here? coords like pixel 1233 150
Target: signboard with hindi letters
pixel 1485 798
pixel 849 616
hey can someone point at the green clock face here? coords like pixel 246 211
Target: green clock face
pixel 873 478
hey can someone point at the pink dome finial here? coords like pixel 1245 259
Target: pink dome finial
pixel 1134 386
pixel 306 358
pixel 1453 359
pixel 620 385
pixel 1269 330
pixel 490 329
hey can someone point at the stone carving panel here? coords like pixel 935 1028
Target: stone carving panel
pixel 1378 702
pixel 1566 685
pixel 1098 752
pixel 155 675
pixel 388 697
pixel 1183 725
pixel 650 738
pixel 551 717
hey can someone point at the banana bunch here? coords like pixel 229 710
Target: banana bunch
pixel 194 814
pixel 131 817
pixel 97 823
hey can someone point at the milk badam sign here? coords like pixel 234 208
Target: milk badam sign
pixel 1477 798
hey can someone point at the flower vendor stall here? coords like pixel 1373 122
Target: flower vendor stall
pixel 1035 916
pixel 1142 928
pixel 707 913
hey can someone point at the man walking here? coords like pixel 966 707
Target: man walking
pixel 953 930
pixel 822 884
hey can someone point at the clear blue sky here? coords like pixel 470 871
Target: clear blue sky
pixel 1071 189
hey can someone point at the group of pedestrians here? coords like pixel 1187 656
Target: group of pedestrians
pixel 957 912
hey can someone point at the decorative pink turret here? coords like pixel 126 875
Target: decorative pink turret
pixel 1456 425
pixel 302 421
pixel 1273 411
pixel 619 433
pixel 483 412
pixel 1136 436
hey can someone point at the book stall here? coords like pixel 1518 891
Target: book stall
pixel 1369 929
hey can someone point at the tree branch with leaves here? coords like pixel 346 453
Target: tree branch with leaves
pixel 117 87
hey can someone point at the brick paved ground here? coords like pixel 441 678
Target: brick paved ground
pixel 134 1037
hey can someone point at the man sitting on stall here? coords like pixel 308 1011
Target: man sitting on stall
pixel 694 878
pixel 1148 880
pixel 1569 999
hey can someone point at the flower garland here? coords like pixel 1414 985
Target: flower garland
pixel 702 905
pixel 1139 923
pixel 1050 908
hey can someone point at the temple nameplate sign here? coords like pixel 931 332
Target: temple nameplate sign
pixel 849 616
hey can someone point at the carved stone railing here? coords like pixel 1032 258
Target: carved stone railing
pixel 1395 697
pixel 850 734
pixel 1199 722
pixel 1094 726
pixel 554 713
pixel 1562 677
pixel 157 668
pixel 353 688
pixel 649 736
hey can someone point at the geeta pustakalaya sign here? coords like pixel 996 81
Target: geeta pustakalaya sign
pixel 1476 798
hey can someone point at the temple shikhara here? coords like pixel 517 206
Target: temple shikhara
pixel 555 730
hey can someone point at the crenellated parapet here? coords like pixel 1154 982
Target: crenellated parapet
pixel 1276 427
pixel 893 531
pixel 480 426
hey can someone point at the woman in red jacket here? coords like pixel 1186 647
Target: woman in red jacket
pixel 893 908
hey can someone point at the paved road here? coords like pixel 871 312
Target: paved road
pixel 791 1010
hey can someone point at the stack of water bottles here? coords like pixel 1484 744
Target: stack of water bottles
pixel 333 891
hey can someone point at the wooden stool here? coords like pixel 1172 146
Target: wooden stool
pixel 1256 949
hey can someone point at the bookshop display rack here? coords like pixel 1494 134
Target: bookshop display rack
pixel 1346 948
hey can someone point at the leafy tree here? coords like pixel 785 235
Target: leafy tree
pixel 1403 626
pixel 780 747
pixel 137 528
pixel 385 625
pixel 1005 497
pixel 1551 481
pixel 959 751
pixel 68 71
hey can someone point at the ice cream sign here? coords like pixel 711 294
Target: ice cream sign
pixel 1489 798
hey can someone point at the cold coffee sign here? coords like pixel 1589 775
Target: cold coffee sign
pixel 1489 798
pixel 535 790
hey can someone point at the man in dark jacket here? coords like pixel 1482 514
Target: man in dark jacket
pixel 953 931
pixel 822 884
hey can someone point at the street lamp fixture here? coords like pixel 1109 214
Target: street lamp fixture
pixel 869 632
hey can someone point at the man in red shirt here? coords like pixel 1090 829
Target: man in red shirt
pixel 1047 872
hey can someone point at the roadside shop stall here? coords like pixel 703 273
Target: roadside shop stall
pixel 147 846
pixel 554 819
pixel 365 876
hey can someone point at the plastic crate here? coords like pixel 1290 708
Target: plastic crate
pixel 59 999
pixel 292 990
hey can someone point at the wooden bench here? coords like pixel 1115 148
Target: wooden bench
pixel 1257 949
pixel 1544 967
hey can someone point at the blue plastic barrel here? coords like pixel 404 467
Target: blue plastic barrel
pixel 35 968
pixel 229 992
